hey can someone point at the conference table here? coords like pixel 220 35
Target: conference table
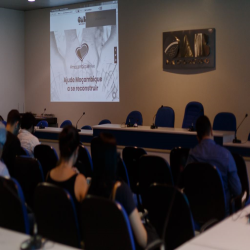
pixel 11 240
pixel 233 233
pixel 141 136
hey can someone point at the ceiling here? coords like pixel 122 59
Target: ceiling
pixel 38 4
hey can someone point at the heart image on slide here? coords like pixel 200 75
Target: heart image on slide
pixel 82 51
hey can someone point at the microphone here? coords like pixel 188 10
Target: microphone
pixel 35 241
pixel 195 118
pixel 235 140
pixel 153 125
pixel 43 111
pixel 79 120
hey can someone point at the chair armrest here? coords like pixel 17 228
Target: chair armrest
pixel 208 224
pixel 156 244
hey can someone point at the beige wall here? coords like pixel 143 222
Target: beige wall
pixel 144 85
pixel 11 61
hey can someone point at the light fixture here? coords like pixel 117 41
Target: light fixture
pixel 31 0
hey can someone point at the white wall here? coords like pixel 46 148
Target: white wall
pixel 144 85
pixel 11 61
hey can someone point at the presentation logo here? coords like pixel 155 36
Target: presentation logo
pixel 82 51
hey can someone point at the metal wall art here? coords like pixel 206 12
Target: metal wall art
pixel 189 49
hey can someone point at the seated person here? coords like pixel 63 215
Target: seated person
pixel 26 137
pixel 65 175
pixel 12 146
pixel 104 183
pixel 3 169
pixel 209 152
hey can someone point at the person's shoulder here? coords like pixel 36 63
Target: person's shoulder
pixel 80 178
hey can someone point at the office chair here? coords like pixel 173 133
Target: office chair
pixel 47 157
pixel 192 112
pixel 152 169
pixel 202 184
pixel 13 212
pixel 225 121
pixel 169 212
pixel 130 156
pixel 28 172
pixel 105 121
pixel 42 124
pixel 84 162
pixel 56 215
pixel 242 173
pixel 178 159
pixel 165 117
pixel 105 225
pixel 134 117
pixel 87 127
pixel 122 172
pixel 66 123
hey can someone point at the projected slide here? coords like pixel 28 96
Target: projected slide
pixel 84 61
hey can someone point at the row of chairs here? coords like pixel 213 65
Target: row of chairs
pixel 165 117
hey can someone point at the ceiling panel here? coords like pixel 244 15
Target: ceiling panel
pixel 38 4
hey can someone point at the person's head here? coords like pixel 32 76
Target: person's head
pixel 13 121
pixel 28 121
pixel 104 156
pixel 203 127
pixel 2 137
pixel 69 140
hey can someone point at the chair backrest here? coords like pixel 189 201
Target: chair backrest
pixel 152 169
pixel 225 121
pixel 66 123
pixel 42 124
pixel 130 156
pixel 105 121
pixel 178 159
pixel 87 127
pixel 28 172
pixel 13 213
pixel 105 225
pixel 165 117
pixel 24 151
pixel 56 215
pixel 204 189
pixel 192 112
pixel 84 162
pixel 134 117
pixel 47 157
pixel 4 122
pixel 170 214
pixel 242 173
pixel 122 172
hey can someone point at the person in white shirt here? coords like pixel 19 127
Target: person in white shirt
pixel 3 169
pixel 26 137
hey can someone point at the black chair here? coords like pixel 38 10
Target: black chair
pixel 130 156
pixel 56 215
pixel 84 162
pixel 105 121
pixel 225 121
pixel 47 156
pixel 170 214
pixel 122 172
pixel 28 172
pixel 242 173
pixel 105 225
pixel 178 159
pixel 152 169
pixel 13 212
pixel 202 184
pixel 87 127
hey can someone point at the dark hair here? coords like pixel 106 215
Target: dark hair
pixel 27 121
pixel 203 126
pixel 69 140
pixel 104 157
pixel 13 117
